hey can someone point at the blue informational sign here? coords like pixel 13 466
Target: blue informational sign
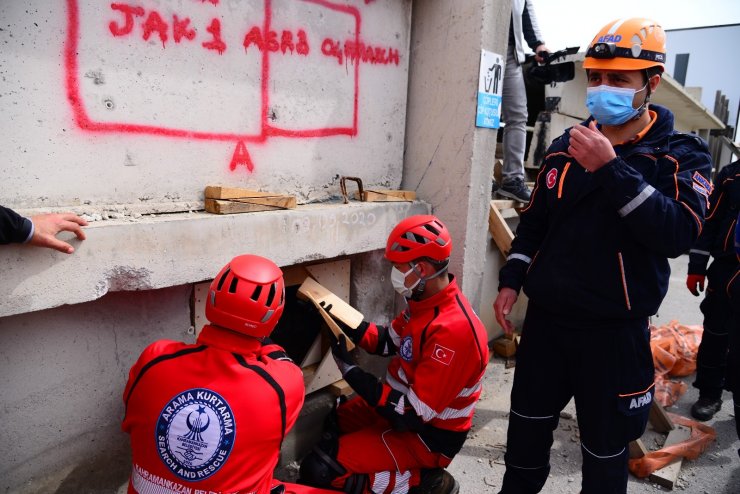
pixel 490 82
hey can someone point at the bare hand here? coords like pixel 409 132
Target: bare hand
pixel 539 50
pixel 590 147
pixel 47 226
pixel 502 308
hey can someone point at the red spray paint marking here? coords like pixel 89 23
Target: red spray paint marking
pixel 241 157
pixel 181 29
pixel 216 43
pixel 154 24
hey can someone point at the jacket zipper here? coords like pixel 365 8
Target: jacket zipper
pixel 624 281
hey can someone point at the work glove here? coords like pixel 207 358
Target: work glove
pixel 366 385
pixel 354 334
pixel 695 283
pixel 342 356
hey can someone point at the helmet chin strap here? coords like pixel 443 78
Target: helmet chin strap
pixel 419 289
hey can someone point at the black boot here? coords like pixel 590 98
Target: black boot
pixel 436 481
pixel 705 408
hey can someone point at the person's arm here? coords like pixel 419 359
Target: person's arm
pixel 529 235
pixel 40 230
pixel 531 30
pixel 667 218
pixel 14 228
pixel 700 251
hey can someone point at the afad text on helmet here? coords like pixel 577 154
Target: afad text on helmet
pixel 610 38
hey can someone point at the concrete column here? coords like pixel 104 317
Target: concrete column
pixel 448 161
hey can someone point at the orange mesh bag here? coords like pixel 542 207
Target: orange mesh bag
pixel 691 448
pixel 674 348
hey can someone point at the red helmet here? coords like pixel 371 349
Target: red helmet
pixel 417 237
pixel 247 296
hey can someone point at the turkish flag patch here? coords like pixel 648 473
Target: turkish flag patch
pixel 442 354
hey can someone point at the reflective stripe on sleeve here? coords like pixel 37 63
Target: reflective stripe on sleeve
pixel 521 257
pixel 635 203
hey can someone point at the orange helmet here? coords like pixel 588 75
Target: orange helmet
pixel 247 296
pixel 416 237
pixel 627 44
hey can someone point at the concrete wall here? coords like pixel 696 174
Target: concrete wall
pixel 118 104
pixel 110 124
pixel 449 161
pixel 63 375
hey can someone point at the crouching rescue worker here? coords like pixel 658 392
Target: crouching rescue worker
pixel 212 416
pixel 615 197
pixel 399 434
pixel 717 306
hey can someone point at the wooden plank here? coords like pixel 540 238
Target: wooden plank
pixel 326 374
pixel 660 421
pixel 500 231
pixel 377 195
pixel 219 192
pixel 218 206
pixel 668 475
pixel 637 449
pixel 294 275
pixel 505 347
pixel 282 202
pixel 339 308
pixel 506 204
pixel 308 373
pixel 340 388
pixel 330 322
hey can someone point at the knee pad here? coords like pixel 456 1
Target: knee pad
pixel 319 469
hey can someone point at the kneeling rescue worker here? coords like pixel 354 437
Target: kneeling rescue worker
pixel 399 434
pixel 212 416
pixel 616 196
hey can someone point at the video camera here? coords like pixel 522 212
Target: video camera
pixel 550 72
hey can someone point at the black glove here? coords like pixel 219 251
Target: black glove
pixel 363 383
pixel 342 356
pixel 354 334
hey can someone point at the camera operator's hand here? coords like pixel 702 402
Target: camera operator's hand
pixel 541 53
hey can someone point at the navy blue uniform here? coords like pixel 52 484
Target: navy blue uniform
pixel 717 240
pixel 591 253
pixel 14 228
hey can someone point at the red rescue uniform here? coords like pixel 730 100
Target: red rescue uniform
pixel 428 397
pixel 210 417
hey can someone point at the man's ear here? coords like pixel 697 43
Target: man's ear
pixel 422 268
pixel 654 82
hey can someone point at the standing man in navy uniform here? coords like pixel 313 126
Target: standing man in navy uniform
pixel 614 198
pixel 716 239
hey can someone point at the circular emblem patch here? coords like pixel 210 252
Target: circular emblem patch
pixel 405 351
pixel 551 178
pixel 195 434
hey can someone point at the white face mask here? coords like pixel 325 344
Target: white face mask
pixel 398 279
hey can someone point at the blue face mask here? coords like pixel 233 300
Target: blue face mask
pixel 612 105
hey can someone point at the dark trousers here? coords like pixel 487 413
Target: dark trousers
pixel 608 368
pixel 711 361
pixel 732 383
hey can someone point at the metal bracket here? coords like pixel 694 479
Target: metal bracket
pixel 343 187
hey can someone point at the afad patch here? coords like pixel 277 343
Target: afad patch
pixel 551 178
pixel 195 434
pixel 701 182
